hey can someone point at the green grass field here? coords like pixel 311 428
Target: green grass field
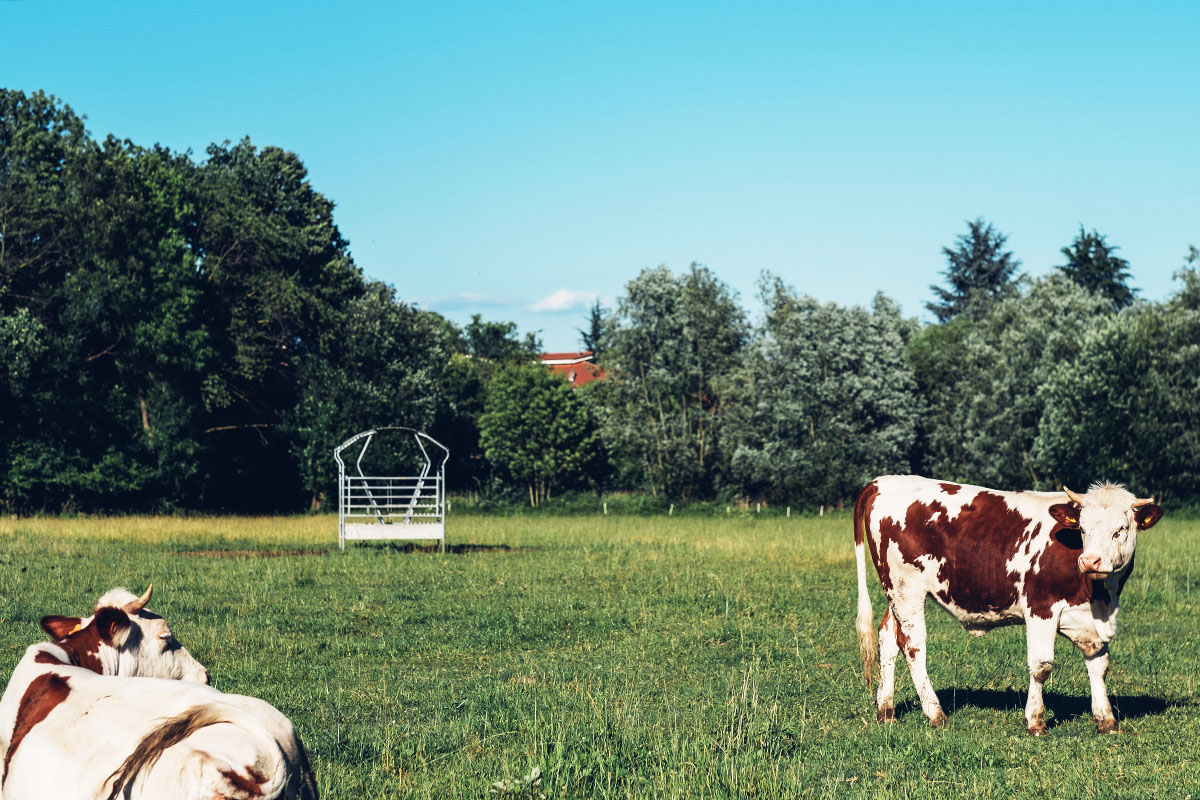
pixel 622 657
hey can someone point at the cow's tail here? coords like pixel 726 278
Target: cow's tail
pixel 865 621
pixel 151 747
pixel 177 729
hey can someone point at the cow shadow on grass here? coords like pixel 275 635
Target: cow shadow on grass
pixel 1060 708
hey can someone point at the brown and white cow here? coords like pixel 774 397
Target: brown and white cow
pixel 1055 562
pixel 115 707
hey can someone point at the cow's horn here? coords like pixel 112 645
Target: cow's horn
pixel 140 603
pixel 1075 498
pixel 1143 502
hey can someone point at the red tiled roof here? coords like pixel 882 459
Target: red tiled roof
pixel 577 367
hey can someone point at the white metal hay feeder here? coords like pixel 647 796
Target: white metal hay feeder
pixel 392 506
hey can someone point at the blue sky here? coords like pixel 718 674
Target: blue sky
pixel 521 159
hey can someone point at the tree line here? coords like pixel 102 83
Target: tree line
pixel 183 333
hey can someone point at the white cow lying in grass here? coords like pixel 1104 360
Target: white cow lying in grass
pixel 115 708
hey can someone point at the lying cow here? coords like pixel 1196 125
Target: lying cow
pixel 116 708
pixel 1055 562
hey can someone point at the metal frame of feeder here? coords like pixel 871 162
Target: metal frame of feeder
pixel 392 507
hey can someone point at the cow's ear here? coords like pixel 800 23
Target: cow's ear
pixel 57 627
pixel 1067 514
pixel 1146 516
pixel 113 626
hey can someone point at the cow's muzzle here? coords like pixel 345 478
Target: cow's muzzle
pixel 1091 566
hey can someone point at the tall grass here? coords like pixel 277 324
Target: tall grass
pixel 621 657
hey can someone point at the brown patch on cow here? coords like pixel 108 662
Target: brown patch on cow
pixel 902 641
pixel 1038 727
pixel 1042 674
pixel 1106 725
pixel 252 553
pixel 862 509
pixel 950 488
pixel 973 546
pixel 43 695
pixel 83 649
pixel 43 657
pixel 250 786
pixel 1056 577
pixel 906 645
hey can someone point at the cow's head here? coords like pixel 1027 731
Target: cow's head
pixel 1108 519
pixel 123 638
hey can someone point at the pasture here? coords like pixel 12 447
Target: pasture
pixel 622 657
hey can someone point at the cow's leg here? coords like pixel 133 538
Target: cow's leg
pixel 911 639
pixel 889 648
pixel 1040 641
pixel 1095 655
pixel 1097 667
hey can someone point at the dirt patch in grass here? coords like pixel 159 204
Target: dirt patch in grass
pixel 408 547
pixel 451 549
pixel 252 553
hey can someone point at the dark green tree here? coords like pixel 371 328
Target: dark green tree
pixel 279 282
pixel 480 351
pixel 1091 263
pixel 592 337
pixel 385 368
pixel 537 430
pixel 94 256
pixel 979 272
pixel 937 355
pixel 499 341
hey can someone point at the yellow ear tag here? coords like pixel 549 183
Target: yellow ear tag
pixel 75 629
pixel 1071 520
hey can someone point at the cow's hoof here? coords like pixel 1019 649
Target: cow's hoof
pixel 938 720
pixel 886 714
pixel 1037 729
pixel 1107 726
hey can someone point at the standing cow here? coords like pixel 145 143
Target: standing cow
pixel 1055 562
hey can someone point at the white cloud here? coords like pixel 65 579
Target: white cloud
pixel 564 300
